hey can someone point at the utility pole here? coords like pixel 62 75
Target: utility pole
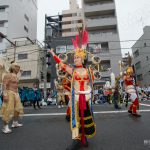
pixel 15 51
pixel 45 67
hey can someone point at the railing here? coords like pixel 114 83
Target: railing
pixel 104 6
pixel 101 18
pixel 100 34
pixel 102 21
pixel 101 3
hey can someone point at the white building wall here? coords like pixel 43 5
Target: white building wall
pixel 71 19
pixel 15 20
pixel 32 62
pixel 142 57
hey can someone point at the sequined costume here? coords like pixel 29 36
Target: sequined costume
pixel 60 95
pixel 12 106
pixel 131 90
pixel 82 121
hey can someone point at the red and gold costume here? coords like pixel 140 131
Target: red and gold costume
pixel 67 90
pixel 130 89
pixel 60 94
pixel 82 122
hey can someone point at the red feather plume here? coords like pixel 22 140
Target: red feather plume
pixel 84 37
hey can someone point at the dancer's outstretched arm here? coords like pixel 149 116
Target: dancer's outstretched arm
pixel 59 61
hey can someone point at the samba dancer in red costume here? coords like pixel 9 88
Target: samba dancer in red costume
pixel 131 90
pixel 82 122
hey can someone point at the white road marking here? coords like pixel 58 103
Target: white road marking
pixel 96 112
pixel 145 104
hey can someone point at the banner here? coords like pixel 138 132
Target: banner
pixel 60 49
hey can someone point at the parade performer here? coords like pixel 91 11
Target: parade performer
pixel 117 100
pixel 108 92
pixel 131 90
pixel 60 94
pixel 37 96
pixel 82 122
pixel 67 91
pixel 11 106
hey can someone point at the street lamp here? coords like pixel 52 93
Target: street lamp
pixel 14 44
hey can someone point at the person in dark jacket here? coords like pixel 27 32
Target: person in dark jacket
pixel 37 96
pixel 116 98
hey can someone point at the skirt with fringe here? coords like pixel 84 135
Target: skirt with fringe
pixel 12 105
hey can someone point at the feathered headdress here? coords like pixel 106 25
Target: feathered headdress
pixel 80 42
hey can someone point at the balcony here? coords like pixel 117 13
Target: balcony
pixel 101 22
pixel 66 19
pixel 98 48
pixel 102 1
pixel 3 16
pixel 66 34
pixel 70 26
pixel 102 36
pixel 99 8
pixel 3 30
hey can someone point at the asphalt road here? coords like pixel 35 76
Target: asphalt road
pixel 46 129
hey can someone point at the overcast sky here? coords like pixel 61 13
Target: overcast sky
pixel 132 15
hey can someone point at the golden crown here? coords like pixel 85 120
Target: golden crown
pixel 80 52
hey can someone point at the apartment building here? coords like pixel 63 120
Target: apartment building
pixel 101 21
pixel 30 56
pixel 141 58
pixel 71 19
pixel 18 18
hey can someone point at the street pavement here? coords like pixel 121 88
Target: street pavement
pixel 47 129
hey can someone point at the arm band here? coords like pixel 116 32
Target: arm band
pixel 57 59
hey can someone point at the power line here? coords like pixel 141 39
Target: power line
pixel 90 42
pixel 32 51
pixel 36 50
pixel 101 41
pixel 42 50
pixel 87 49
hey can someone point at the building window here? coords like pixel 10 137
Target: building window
pixel 26 73
pixel 26 29
pixel 74 14
pixel 2 9
pixel 22 56
pixel 94 48
pixel 99 48
pixel 105 47
pixel 139 77
pixel 144 44
pixel 1 40
pixel 105 64
pixel 136 53
pixel 69 48
pixel 138 65
pixel 26 17
pixel 147 58
pixel 79 14
pixel 1 24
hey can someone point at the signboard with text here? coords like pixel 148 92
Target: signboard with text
pixel 60 49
